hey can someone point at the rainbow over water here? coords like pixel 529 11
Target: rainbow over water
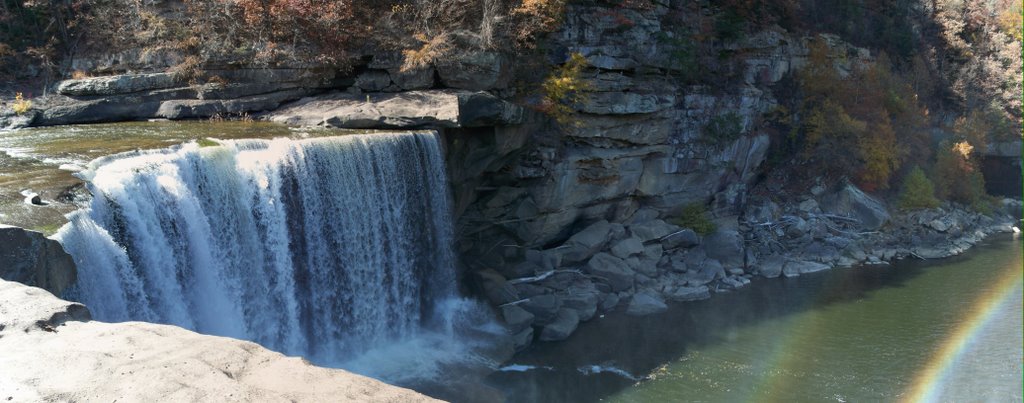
pixel 928 384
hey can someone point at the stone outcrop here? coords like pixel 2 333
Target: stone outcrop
pixel 30 258
pixel 851 202
pixel 140 96
pixel 412 109
pixel 60 355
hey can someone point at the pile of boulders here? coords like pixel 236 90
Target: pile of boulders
pixel 645 262
pixel 639 264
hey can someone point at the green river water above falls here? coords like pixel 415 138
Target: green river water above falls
pixel 947 330
pixel 42 160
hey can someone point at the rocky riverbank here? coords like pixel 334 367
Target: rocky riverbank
pixel 642 263
pixel 52 351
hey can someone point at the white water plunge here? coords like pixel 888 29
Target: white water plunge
pixel 324 248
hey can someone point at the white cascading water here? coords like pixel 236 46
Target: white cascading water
pixel 324 247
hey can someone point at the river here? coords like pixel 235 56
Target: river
pixel 947 330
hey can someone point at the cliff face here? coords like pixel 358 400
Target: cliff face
pixel 136 361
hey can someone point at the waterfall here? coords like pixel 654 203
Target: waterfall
pixel 323 247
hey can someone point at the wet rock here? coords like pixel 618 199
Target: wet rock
pixel 543 307
pixel 610 270
pixel 795 268
pixel 561 327
pixel 686 238
pixel 584 300
pixel 609 302
pixel 496 287
pixel 646 303
pixel 522 339
pixel 771 267
pixel 732 283
pixel 680 294
pixel 817 251
pixel 30 258
pixel 517 319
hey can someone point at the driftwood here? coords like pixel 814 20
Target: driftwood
pixel 542 276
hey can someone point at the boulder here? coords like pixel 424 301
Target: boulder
pixel 854 203
pixel 771 267
pixel 583 300
pixel 585 243
pixel 795 268
pixel 680 294
pixel 610 270
pixel 561 327
pixel 496 288
pixel 710 270
pixel 797 227
pixel 517 319
pixel 645 303
pixel 628 247
pixel 726 246
pixel 546 259
pixel 652 254
pixel 520 270
pixel 30 258
pixel 686 238
pixel 523 339
pixel 609 302
pixel 940 225
pixel 652 230
pixel 809 206
pixel 543 307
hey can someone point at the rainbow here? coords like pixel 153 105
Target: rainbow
pixel 927 384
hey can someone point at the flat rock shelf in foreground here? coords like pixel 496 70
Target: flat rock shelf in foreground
pixel 144 362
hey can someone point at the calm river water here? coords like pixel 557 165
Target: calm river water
pixel 947 330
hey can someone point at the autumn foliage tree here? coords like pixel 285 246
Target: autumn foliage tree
pixel 861 125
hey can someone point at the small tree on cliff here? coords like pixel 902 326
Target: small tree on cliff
pixel 918 191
